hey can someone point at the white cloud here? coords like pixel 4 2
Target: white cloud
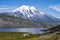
pixel 4 8
pixel 55 7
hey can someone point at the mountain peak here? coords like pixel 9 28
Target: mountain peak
pixel 31 13
pixel 28 12
pixel 25 7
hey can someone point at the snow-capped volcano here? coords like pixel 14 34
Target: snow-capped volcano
pixel 25 9
pixel 28 12
pixel 31 13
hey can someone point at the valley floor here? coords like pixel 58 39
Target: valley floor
pixel 19 36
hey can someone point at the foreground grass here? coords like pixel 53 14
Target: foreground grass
pixel 18 36
pixel 52 36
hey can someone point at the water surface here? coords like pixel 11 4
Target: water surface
pixel 31 30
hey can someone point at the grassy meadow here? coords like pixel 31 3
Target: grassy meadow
pixel 18 36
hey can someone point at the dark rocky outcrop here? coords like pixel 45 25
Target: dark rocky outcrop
pixel 55 29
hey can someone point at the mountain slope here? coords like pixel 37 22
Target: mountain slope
pixel 11 21
pixel 31 13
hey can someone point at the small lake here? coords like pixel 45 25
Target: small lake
pixel 30 30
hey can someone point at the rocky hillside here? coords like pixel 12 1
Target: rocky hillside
pixel 11 21
pixel 55 29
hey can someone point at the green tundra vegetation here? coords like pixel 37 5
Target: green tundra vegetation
pixel 52 36
pixel 18 36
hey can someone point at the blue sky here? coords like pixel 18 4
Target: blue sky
pixel 51 7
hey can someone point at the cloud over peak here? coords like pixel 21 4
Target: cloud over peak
pixel 55 7
pixel 4 8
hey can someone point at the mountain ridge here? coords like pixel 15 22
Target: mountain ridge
pixel 11 21
pixel 31 13
pixel 27 18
